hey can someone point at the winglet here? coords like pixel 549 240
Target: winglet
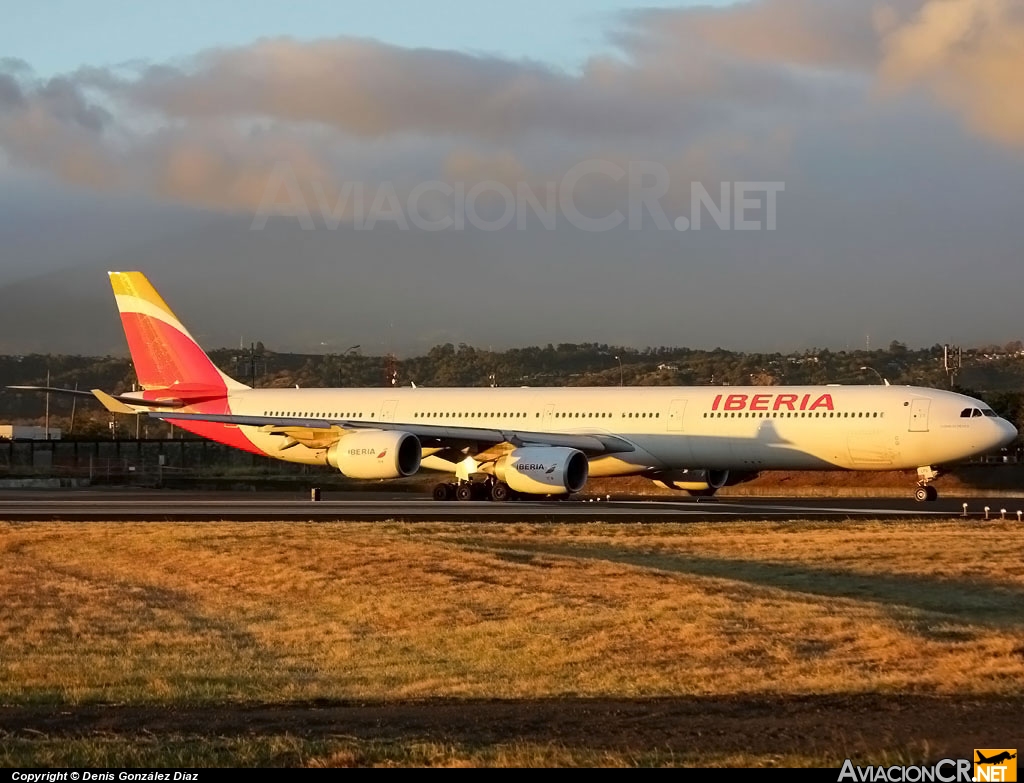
pixel 111 404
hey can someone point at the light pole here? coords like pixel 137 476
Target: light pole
pixel 619 360
pixel 876 372
pixel 346 353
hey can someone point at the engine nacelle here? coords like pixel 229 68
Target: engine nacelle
pixel 376 454
pixel 544 470
pixel 696 482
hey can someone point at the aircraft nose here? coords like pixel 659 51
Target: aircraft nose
pixel 1008 433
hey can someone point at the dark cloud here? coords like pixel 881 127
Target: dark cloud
pixel 10 93
pixel 370 89
pixel 893 125
pixel 64 100
pixel 708 92
pixel 14 65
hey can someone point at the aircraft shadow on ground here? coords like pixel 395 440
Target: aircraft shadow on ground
pixel 945 600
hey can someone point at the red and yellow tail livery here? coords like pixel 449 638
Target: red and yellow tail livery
pixel 171 367
pixel 165 354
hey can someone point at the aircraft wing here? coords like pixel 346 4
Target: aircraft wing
pixel 588 443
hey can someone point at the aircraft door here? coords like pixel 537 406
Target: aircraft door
pixel 549 415
pixel 387 410
pixel 919 415
pixel 676 409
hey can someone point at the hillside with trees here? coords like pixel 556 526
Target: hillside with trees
pixel 995 373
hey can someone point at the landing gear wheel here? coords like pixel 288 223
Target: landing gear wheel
pixel 443 491
pixel 500 492
pixel 926 494
pixel 464 492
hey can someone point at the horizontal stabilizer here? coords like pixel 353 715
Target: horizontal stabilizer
pixel 52 390
pixel 112 403
pixel 122 403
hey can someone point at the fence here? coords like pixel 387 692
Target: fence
pixel 148 460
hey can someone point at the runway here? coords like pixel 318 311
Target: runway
pixel 164 505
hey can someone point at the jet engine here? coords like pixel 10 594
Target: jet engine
pixel 544 470
pixel 376 454
pixel 700 483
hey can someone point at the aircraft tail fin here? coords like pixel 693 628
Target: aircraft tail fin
pixel 164 353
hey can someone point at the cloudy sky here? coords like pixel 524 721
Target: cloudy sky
pixel 761 175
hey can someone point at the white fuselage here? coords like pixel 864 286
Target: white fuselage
pixel 737 428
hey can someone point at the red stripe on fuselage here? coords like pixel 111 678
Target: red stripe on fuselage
pixel 222 433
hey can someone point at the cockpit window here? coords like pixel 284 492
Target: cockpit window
pixel 969 413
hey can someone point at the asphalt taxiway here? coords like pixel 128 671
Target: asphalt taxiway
pixel 162 505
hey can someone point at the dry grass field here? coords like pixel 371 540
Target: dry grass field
pixel 209 617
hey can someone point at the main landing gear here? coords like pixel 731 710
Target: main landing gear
pixel 495 490
pixel 925 492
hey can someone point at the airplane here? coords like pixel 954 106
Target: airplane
pixel 996 759
pixel 500 443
